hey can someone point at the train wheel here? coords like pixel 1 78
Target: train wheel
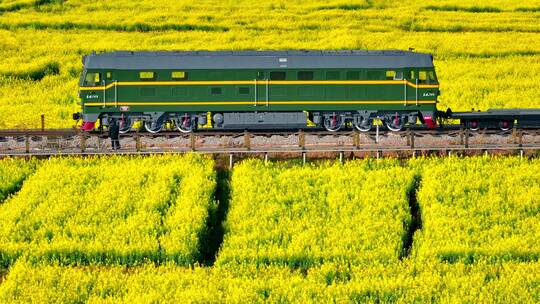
pixel 333 122
pixel 473 125
pixel 394 123
pixel 505 125
pixel 153 126
pixel 185 124
pixel 364 126
pixel 125 125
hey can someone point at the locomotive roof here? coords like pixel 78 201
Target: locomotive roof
pixel 128 60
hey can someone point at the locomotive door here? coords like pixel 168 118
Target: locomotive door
pixel 110 90
pixel 261 90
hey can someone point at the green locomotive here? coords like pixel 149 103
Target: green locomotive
pixel 259 89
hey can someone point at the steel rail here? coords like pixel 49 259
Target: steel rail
pixel 241 151
pixel 201 132
pixel 73 142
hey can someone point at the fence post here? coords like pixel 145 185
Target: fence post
pixel 83 142
pixel 247 140
pixel 356 139
pixel 301 139
pixel 138 142
pixel 192 141
pixel 42 122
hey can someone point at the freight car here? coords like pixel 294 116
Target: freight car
pixel 243 90
pixel 259 89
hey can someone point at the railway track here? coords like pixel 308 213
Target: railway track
pixel 315 143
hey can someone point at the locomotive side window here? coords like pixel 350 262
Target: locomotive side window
pixel 92 79
pixel 305 75
pixel 353 75
pixel 422 77
pixel 432 78
pixel 390 75
pixel 147 75
pixel 179 75
pixel 332 75
pixel 413 76
pixel 243 90
pixel 398 76
pixel 108 75
pixel 215 91
pixel 277 75
pixel 260 75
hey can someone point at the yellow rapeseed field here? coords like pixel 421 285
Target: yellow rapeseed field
pixel 131 230
pixel 117 210
pixel 13 172
pixel 307 215
pixel 487 53
pixel 135 229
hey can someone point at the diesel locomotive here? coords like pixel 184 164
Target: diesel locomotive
pixel 244 90
pixel 259 89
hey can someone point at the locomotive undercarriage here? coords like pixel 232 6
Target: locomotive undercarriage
pixel 154 122
pixel 364 120
pixel 187 122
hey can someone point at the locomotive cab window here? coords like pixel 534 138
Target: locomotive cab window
pixel 277 75
pixel 432 78
pixel 147 75
pixel 179 75
pixel 305 75
pixel 92 79
pixel 422 77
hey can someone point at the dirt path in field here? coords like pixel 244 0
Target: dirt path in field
pixel 211 242
pixel 416 218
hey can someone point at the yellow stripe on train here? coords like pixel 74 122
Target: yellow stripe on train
pixel 261 82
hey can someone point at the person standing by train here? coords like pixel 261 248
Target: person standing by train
pixel 114 132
